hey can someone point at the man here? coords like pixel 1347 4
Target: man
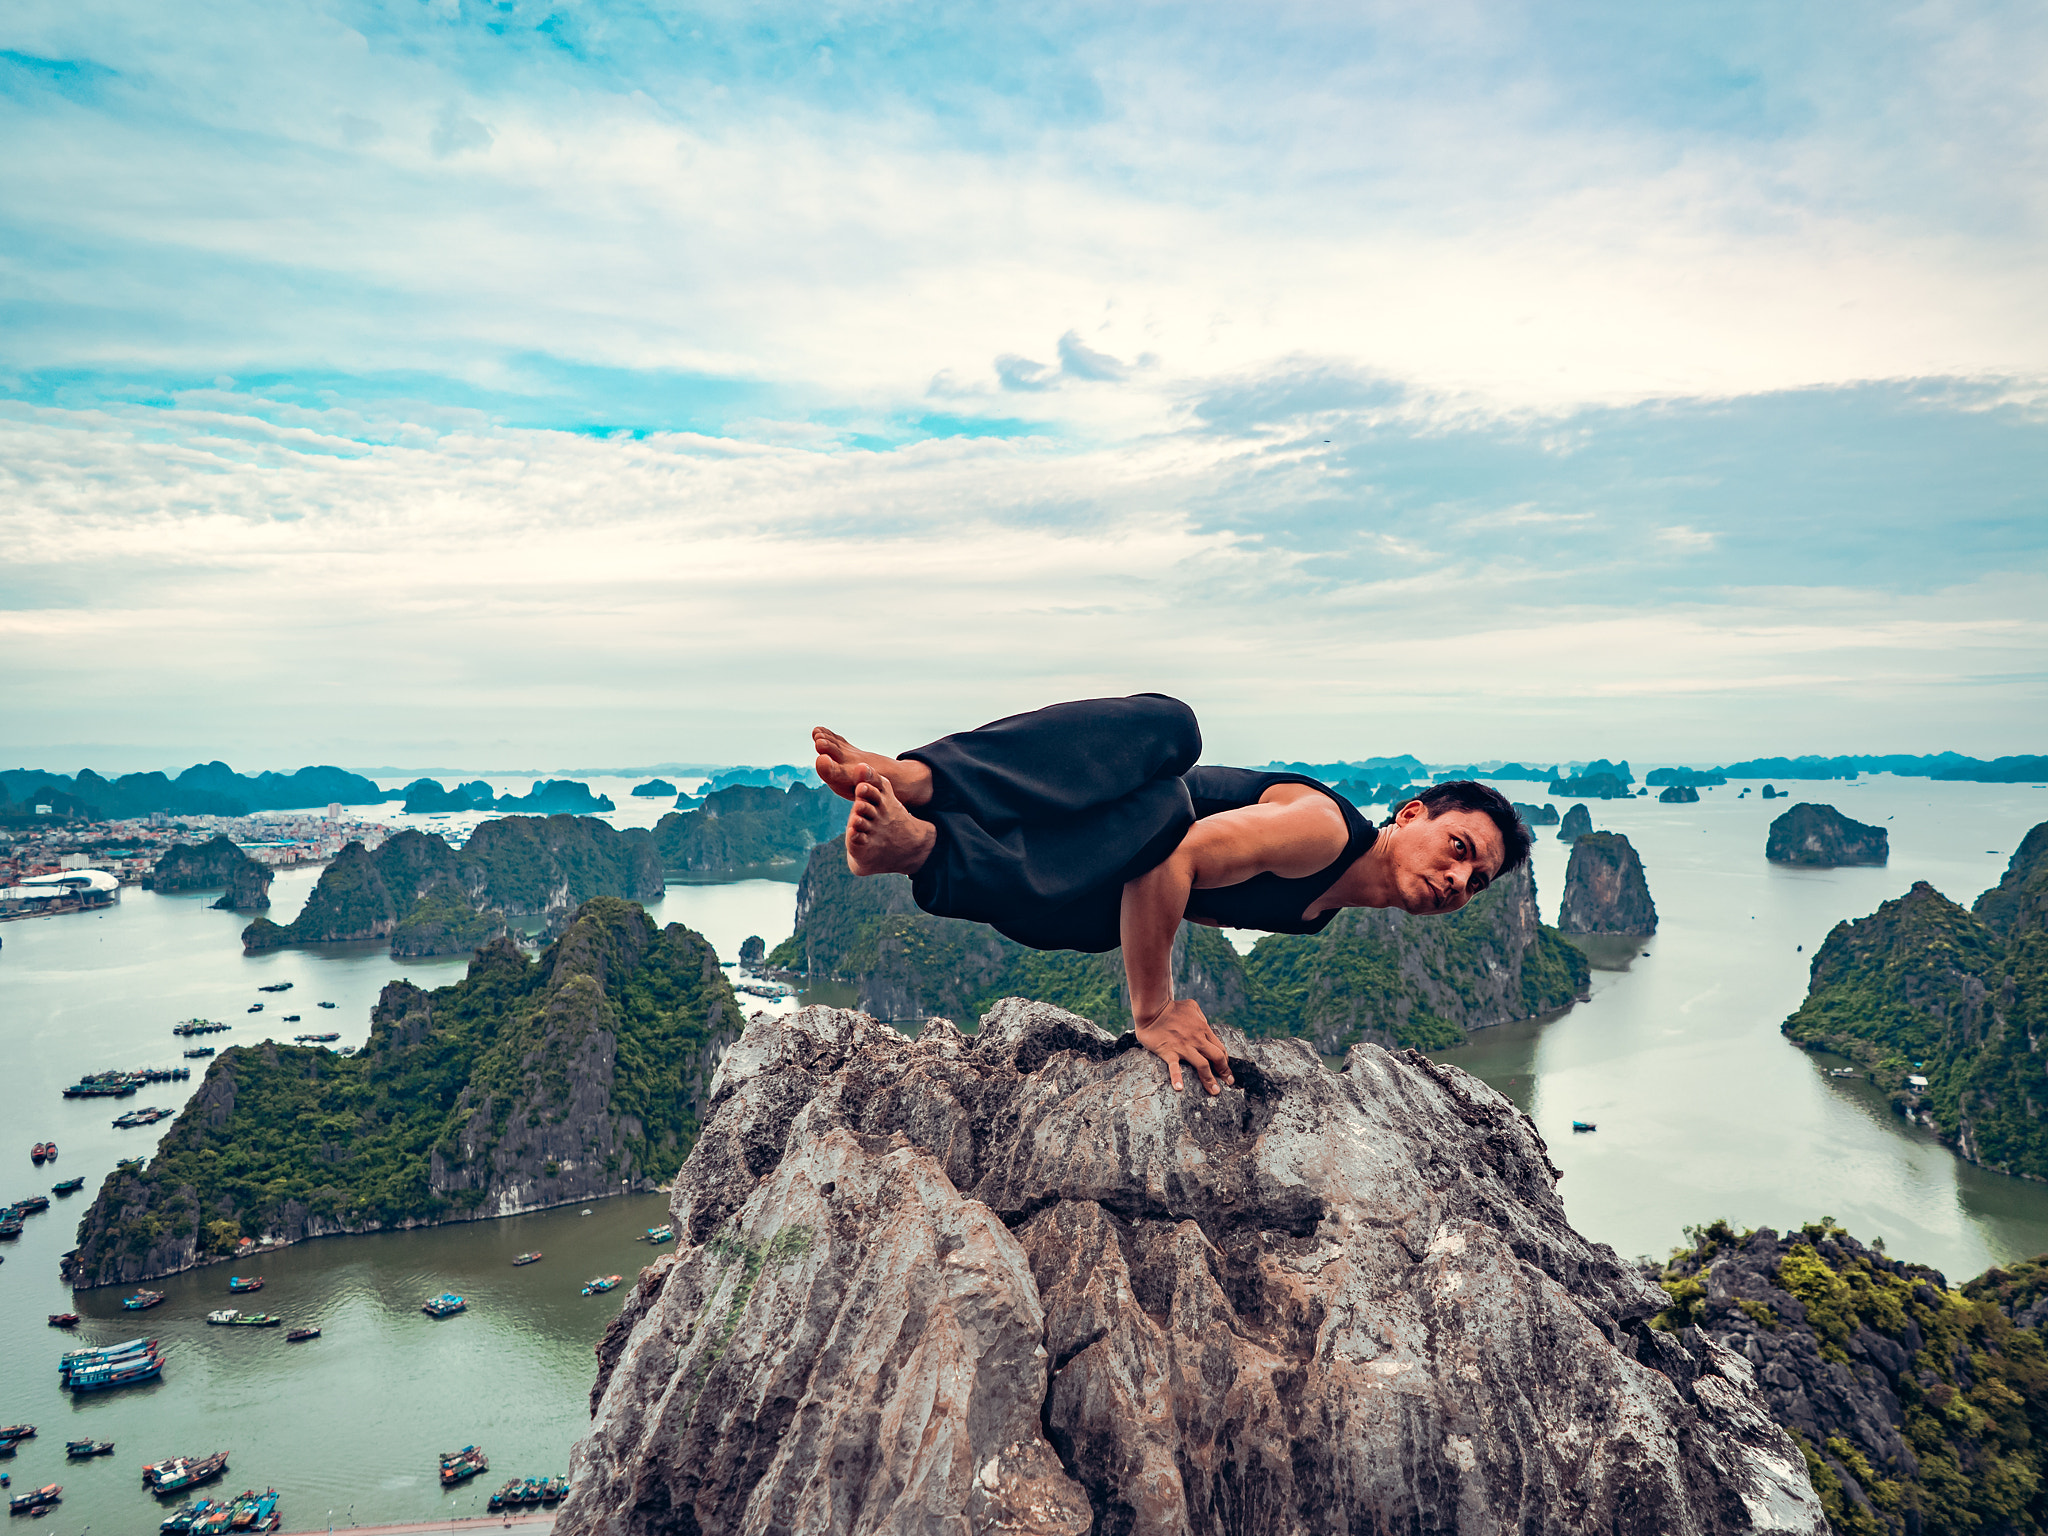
pixel 1088 825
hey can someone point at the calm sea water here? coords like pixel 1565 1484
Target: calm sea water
pixel 1703 1111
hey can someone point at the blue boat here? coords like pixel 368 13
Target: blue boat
pixel 133 1375
pixel 447 1304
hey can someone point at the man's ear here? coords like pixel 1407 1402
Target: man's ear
pixel 1413 811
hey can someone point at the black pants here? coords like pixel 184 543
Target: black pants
pixel 1043 817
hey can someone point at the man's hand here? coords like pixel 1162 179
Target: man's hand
pixel 1181 1033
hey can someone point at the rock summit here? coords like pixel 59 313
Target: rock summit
pixel 1014 1282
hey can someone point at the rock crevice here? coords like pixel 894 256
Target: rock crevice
pixel 1014 1282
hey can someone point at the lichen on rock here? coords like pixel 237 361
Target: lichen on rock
pixel 1015 1282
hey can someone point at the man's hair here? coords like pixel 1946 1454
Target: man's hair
pixel 1469 795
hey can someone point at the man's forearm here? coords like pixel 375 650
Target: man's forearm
pixel 1152 908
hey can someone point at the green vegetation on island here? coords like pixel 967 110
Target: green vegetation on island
pixel 654 789
pixel 528 1083
pixel 430 899
pixel 749 831
pixel 1924 989
pixel 1371 974
pixel 1921 1410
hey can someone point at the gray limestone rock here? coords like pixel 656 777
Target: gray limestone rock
pixel 1015 1282
pixel 1822 837
pixel 1605 891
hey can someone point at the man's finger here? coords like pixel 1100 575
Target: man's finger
pixel 1172 1068
pixel 1220 1057
pixel 1201 1065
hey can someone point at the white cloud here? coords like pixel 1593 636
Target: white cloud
pixel 553 590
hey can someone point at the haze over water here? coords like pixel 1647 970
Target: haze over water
pixel 1703 1111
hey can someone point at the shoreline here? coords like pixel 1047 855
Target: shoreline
pixel 456 1523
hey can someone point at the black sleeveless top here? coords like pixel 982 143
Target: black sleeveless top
pixel 1269 902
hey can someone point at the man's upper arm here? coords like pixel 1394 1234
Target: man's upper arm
pixel 1292 839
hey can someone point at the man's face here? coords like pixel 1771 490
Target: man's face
pixel 1441 862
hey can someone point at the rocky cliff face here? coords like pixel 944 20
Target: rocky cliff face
pixel 1605 891
pixel 529 1083
pixel 1678 794
pixel 1578 821
pixel 1911 1402
pixel 1822 837
pixel 430 899
pixel 215 862
pixel 1536 815
pixel 1016 1283
pixel 1925 988
pixel 1370 975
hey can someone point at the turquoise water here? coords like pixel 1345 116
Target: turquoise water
pixel 1703 1111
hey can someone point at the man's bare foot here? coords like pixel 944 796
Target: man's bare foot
pixel 839 762
pixel 882 837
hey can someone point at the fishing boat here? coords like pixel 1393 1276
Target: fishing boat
pixel 63 1319
pixel 180 1520
pixel 661 1234
pixel 73 1357
pixel 323 1005
pixel 228 1317
pixel 182 1472
pixel 460 1466
pixel 447 1304
pixel 599 1286
pixel 142 1300
pixel 33 1204
pixel 79 1450
pixel 68 1186
pixel 255 1007
pixel 13 1432
pixel 266 1512
pixel 198 1051
pixel 36 1499
pixel 528 1258
pixel 1584 1125
pixel 10 1223
pixel 276 986
pixel 130 1165
pixel 42 1152
pixel 149 1115
pixel 291 1018
pixel 328 1038
pixel 134 1374
pixel 86 1365
pixel 300 1335
pixel 240 1283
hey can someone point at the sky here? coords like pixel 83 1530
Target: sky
pixel 522 384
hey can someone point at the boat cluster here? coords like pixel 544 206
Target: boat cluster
pixel 772 990
pixel 447 1304
pixel 113 1365
pixel 149 1115
pixel 246 1511
pixel 199 1027
pixel 42 1152
pixel 12 1435
pixel 228 1317
pixel 460 1466
pixel 664 1233
pixel 600 1285
pixel 330 1036
pixel 119 1085
pixel 12 1216
pixel 525 1492
pixel 37 1501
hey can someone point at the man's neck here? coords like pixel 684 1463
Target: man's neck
pixel 1370 881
